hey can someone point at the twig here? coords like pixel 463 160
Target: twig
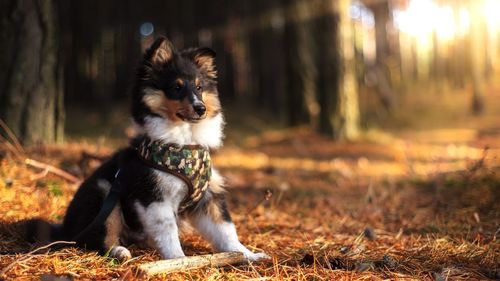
pixel 267 197
pixel 193 262
pixel 472 170
pixel 11 147
pixel 50 245
pixel 479 163
pixel 52 169
pixel 12 136
pixel 28 256
pixel 40 175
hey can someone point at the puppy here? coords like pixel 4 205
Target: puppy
pixel 165 174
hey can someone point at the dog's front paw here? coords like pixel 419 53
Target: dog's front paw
pixel 256 256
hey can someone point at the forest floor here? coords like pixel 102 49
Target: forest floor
pixel 410 204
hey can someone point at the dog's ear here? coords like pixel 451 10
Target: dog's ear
pixel 160 52
pixel 204 58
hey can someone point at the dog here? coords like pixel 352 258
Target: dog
pixel 176 108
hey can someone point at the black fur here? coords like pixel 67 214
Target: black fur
pixel 219 199
pixel 137 185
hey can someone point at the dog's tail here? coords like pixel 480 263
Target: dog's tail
pixel 41 231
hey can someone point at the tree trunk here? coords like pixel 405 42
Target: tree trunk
pixel 337 86
pixel 31 97
pixel 477 50
pixel 300 67
pixel 382 16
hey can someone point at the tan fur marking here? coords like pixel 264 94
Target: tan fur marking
pixel 164 53
pixel 216 186
pixel 155 100
pixel 214 211
pixel 171 108
pixel 113 228
pixel 159 104
pixel 212 103
pixel 207 64
pixel 179 82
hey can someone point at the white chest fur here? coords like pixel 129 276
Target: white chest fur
pixel 207 132
pixel 159 218
pixel 172 188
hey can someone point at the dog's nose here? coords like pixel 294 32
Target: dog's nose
pixel 199 108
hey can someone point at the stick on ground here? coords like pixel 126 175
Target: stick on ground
pixel 51 169
pixel 193 262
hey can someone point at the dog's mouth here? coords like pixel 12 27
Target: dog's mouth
pixel 190 119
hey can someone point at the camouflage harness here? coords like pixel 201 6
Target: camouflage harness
pixel 190 163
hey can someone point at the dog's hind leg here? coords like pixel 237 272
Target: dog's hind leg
pixel 114 228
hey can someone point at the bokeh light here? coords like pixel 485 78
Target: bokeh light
pixel 146 29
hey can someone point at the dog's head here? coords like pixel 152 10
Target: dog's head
pixel 179 86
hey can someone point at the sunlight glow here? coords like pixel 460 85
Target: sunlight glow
pixel 424 17
pixel 463 21
pixel 491 9
pixel 417 20
pixel 445 23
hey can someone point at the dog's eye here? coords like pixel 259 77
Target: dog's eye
pixel 178 88
pixel 198 88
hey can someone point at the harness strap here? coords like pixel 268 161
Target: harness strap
pixel 189 163
pixel 186 202
pixel 192 196
pixel 107 207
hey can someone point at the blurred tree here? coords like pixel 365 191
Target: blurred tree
pixel 337 85
pixel 300 66
pixel 31 97
pixel 267 61
pixel 382 16
pixel 458 66
pixel 478 60
pixel 379 70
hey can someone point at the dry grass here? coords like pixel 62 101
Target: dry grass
pixel 323 210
